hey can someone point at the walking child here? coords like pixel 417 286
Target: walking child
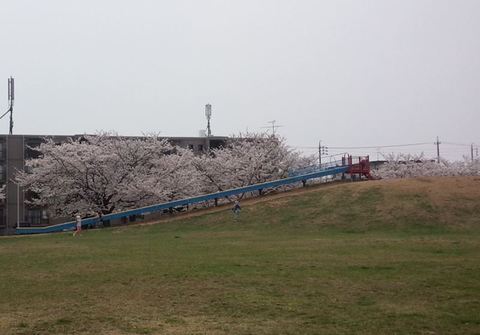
pixel 78 226
pixel 236 209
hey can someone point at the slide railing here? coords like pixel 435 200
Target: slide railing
pixel 188 201
pixel 317 168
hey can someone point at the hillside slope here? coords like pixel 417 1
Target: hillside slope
pixel 436 200
pixel 381 257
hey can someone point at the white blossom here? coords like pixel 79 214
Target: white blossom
pixel 107 173
pixel 246 159
pixel 410 166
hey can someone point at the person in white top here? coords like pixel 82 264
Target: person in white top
pixel 78 229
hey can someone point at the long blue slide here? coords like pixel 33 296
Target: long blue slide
pixel 295 177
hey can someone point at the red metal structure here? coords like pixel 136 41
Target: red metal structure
pixel 358 165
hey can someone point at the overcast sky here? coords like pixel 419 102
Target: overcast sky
pixel 351 73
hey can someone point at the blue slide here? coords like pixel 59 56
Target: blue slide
pixel 294 177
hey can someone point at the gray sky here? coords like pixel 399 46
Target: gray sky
pixel 351 73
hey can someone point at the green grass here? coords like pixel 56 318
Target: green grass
pixel 352 259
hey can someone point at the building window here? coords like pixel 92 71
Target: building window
pixel 34 216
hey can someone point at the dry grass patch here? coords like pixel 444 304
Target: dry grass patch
pixel 377 257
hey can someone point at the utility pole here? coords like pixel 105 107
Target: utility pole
pixel 322 150
pixel 320 154
pixel 471 151
pixel 18 206
pixel 273 126
pixel 208 115
pixel 437 143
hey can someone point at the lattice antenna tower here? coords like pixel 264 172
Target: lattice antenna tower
pixel 208 115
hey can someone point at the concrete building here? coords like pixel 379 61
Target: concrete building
pixel 15 150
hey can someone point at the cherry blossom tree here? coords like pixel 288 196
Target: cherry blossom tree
pixel 247 159
pixel 107 173
pixel 410 166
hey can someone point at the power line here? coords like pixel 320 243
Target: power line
pixel 370 147
pixel 426 148
pixel 458 144
pixel 386 146
pixel 383 146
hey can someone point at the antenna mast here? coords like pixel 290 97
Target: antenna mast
pixel 274 126
pixel 208 115
pixel 11 99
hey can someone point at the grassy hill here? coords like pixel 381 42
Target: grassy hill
pixel 381 257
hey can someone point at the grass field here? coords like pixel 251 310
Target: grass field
pixel 383 257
